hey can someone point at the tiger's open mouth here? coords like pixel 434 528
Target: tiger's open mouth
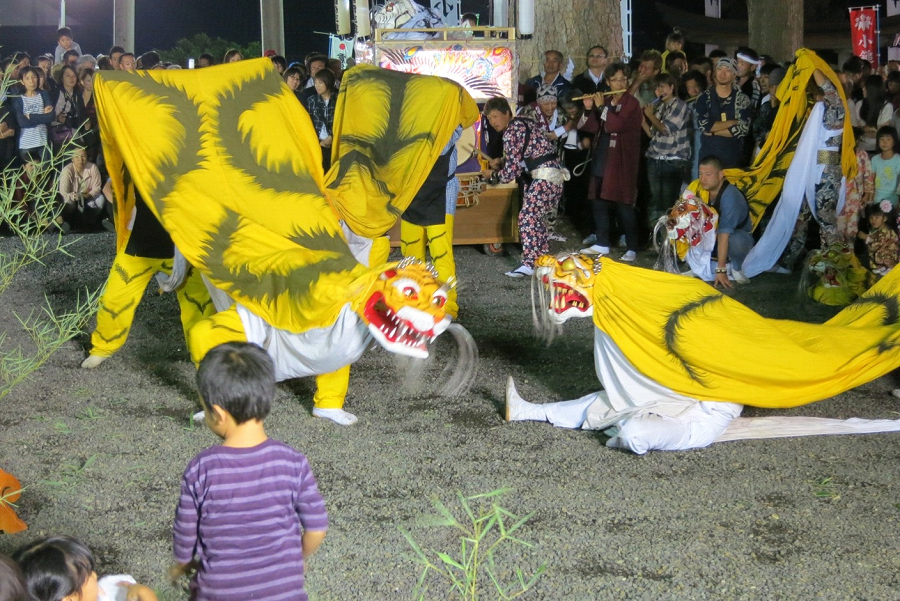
pixel 565 298
pixel 407 331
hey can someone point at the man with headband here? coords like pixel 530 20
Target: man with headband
pixel 748 62
pixel 723 114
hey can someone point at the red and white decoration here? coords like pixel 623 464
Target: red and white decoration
pixel 863 22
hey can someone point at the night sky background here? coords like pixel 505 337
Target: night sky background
pixel 161 23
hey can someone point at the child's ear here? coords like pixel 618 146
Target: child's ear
pixel 217 413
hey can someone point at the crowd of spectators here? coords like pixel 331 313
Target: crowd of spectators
pixel 633 134
pixel 47 105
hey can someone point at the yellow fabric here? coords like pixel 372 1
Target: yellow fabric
pixel 761 183
pixel 229 162
pixel 128 279
pixel 701 343
pixel 439 241
pixel 224 326
pixel 389 114
pixel 331 389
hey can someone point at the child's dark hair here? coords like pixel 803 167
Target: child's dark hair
pixel 12 581
pixel 63 31
pixel 54 567
pixel 874 209
pixel 888 130
pixel 239 377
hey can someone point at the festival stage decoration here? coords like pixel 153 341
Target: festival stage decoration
pixel 229 162
pixel 688 340
pixel 484 70
pixel 10 491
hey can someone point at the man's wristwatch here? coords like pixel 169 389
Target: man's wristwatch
pixel 721 270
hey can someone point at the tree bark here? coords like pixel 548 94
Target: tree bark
pixel 570 26
pixel 776 27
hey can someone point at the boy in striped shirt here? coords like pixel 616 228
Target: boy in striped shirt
pixel 250 511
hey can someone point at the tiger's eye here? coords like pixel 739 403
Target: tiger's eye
pixel 569 264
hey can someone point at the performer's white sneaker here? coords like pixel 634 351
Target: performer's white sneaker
pixel 93 361
pixel 629 257
pixel 518 409
pixel 896 392
pixel 595 249
pixel 590 240
pixel 338 416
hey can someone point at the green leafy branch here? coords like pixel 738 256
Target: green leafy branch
pixel 484 529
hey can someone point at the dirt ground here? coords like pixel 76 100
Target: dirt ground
pixel 101 453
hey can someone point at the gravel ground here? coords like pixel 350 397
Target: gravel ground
pixel 101 455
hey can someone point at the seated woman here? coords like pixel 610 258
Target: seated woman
pixel 81 192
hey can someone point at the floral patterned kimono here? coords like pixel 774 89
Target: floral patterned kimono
pixel 859 189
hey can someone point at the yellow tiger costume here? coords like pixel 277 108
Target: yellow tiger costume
pixel 231 165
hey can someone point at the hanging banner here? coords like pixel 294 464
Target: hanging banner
pixel 863 34
pixel 340 49
pixel 893 8
pixel 449 11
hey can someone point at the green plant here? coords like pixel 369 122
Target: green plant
pixel 196 45
pixel 485 529
pixel 90 413
pixel 825 489
pixel 70 473
pixel 30 220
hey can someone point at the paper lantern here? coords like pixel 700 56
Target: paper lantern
pixel 342 16
pixel 500 13
pixel 363 26
pixel 526 17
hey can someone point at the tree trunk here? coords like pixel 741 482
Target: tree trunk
pixel 776 27
pixel 570 26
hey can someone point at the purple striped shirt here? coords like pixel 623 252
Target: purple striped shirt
pixel 240 514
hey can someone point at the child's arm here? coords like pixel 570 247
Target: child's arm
pixel 312 539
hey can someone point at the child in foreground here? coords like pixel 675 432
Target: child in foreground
pixel 61 568
pixel 250 511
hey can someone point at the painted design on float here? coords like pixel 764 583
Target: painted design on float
pixel 484 71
